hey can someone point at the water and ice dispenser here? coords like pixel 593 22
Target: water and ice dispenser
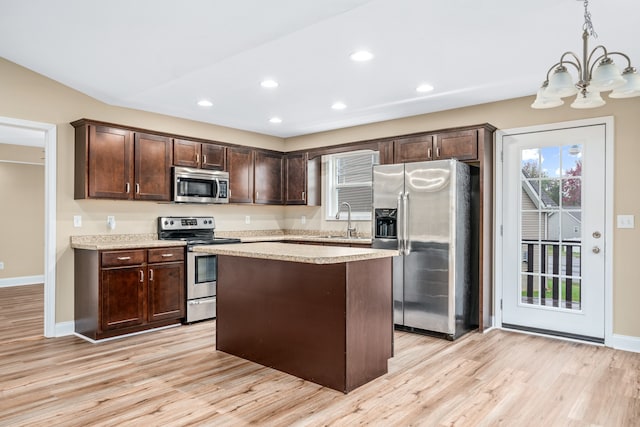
pixel 386 221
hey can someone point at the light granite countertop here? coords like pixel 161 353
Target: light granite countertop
pixel 101 242
pixel 132 241
pixel 297 253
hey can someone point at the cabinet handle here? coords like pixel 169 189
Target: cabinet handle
pixel 123 258
pixel 437 151
pixel 303 194
pixel 257 194
pixel 151 275
pixel 197 158
pixel 428 153
pixel 166 255
pixel 204 158
pixel 141 276
pixel 127 187
pixel 137 188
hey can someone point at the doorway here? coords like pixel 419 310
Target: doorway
pixel 23 132
pixel 556 224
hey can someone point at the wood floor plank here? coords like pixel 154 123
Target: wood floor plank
pixel 175 377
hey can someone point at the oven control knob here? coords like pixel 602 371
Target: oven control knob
pixel 171 222
pixel 166 222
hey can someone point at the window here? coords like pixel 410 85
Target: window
pixel 349 179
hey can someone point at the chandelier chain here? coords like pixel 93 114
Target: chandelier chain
pixel 588 24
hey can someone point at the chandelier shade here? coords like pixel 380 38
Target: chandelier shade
pixel 596 73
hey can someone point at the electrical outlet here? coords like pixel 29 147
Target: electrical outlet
pixel 247 219
pixel 1 265
pixel 303 219
pixel 77 221
pixel 111 222
pixel 626 221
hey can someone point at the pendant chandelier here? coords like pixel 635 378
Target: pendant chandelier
pixel 596 73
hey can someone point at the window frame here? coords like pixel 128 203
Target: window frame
pixel 331 198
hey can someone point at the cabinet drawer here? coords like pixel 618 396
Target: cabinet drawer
pixel 166 254
pixel 122 258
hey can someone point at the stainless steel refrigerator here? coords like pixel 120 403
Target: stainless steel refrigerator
pixel 423 210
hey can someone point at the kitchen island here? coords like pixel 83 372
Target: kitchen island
pixel 322 313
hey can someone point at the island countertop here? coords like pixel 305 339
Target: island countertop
pixel 309 254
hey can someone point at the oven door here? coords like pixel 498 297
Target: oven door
pixel 202 274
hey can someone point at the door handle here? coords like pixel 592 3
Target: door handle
pixel 407 248
pixel 400 229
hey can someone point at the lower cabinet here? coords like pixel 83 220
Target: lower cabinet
pixel 123 291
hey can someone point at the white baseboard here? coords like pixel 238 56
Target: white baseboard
pixel 624 342
pixel 64 329
pixel 20 281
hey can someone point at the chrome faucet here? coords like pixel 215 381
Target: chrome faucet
pixel 350 230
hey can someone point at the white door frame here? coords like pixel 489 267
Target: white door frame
pixel 608 235
pixel 49 143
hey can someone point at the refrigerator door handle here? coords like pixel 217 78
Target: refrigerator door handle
pixel 405 220
pixel 400 226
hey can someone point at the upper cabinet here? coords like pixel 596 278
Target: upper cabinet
pixel 240 168
pixel 460 145
pixel 201 155
pixel 295 179
pixel 413 149
pixel 114 163
pixel 152 169
pixel 268 178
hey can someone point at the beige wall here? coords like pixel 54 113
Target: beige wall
pixel 21 217
pixel 29 96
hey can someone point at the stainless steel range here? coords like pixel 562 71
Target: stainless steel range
pixel 202 269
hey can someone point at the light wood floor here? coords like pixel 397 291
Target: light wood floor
pixel 175 377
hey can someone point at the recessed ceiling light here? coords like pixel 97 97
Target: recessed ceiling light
pixel 338 105
pixel 275 120
pixel 361 55
pixel 205 103
pixel 424 88
pixel 268 83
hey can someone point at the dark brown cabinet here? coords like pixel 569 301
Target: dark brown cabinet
pixel 152 170
pixel 114 163
pixel 240 168
pixel 123 291
pixel 268 181
pixel 413 149
pixel 460 145
pixel 122 302
pixel 198 154
pixel 103 162
pixel 166 284
pixel 295 179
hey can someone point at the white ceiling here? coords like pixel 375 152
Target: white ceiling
pixel 165 55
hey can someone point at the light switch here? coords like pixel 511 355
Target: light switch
pixel 77 221
pixel 626 221
pixel 247 219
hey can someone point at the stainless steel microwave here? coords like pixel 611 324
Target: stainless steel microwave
pixel 200 186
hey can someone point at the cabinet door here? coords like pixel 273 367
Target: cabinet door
pixel 213 156
pixel 268 178
pixel 152 167
pixel 110 158
pixel 413 149
pixel 240 167
pixel 122 301
pixel 296 179
pixel 186 153
pixel 166 291
pixel 461 145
